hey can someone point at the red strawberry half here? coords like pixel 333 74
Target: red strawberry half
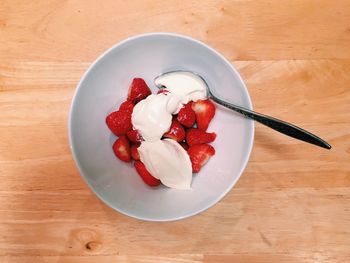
pixel 138 90
pixel 205 111
pixel 145 175
pixel 186 115
pixel 134 136
pixel 119 122
pixel 199 155
pixel 134 152
pixel 126 106
pixel 197 136
pixel 176 132
pixel 121 148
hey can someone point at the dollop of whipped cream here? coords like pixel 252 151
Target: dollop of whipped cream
pixel 183 86
pixel 151 118
pixel 166 159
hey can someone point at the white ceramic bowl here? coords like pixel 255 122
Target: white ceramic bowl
pixel 105 85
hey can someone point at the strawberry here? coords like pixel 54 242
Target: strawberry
pixel 176 132
pixel 184 145
pixel 186 115
pixel 205 111
pixel 134 152
pixel 119 122
pixel 121 148
pixel 162 91
pixel 197 136
pixel 145 175
pixel 199 155
pixel 134 136
pixel 126 106
pixel 138 90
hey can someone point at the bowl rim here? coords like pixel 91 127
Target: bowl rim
pixel 73 102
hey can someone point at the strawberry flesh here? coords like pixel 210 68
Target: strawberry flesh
pixel 186 115
pixel 205 111
pixel 134 152
pixel 121 149
pixel 176 132
pixel 197 136
pixel 199 155
pixel 138 90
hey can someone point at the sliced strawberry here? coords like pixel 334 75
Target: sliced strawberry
pixel 134 152
pixel 199 155
pixel 176 132
pixel 184 145
pixel 119 122
pixel 162 91
pixel 145 175
pixel 138 90
pixel 197 136
pixel 121 148
pixel 205 111
pixel 186 115
pixel 134 136
pixel 126 106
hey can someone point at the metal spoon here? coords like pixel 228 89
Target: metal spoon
pixel 276 124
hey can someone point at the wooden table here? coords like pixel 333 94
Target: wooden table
pixel 292 203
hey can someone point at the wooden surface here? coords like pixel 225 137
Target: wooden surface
pixel 292 203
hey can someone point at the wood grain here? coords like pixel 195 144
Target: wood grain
pixel 291 205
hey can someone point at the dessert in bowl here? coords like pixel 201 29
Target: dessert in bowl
pixel 103 89
pixel 165 133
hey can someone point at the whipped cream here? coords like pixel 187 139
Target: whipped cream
pixel 166 159
pixel 183 86
pixel 151 118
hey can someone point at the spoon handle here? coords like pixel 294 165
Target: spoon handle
pixel 276 124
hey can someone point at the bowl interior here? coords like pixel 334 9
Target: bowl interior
pixel 105 85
